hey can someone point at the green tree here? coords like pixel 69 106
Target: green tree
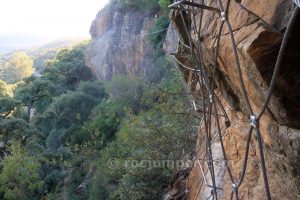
pixel 126 91
pixel 50 115
pixel 7 106
pixel 66 112
pixel 145 5
pixel 18 66
pixel 6 89
pixel 16 128
pixel 161 131
pixel 160 30
pixel 35 93
pixel 68 68
pixel 164 3
pixel 20 178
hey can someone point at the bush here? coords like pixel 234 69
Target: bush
pixel 20 175
pixel 144 5
pixel 157 34
pixel 164 3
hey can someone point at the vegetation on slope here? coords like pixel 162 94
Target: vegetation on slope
pixel 145 5
pixel 15 67
pixel 65 135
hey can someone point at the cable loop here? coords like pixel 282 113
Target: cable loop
pixel 253 121
pixel 211 100
pixel 234 187
pixel 223 16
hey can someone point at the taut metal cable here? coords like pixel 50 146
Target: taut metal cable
pixel 210 103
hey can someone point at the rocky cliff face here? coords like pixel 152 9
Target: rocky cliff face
pixel 258 27
pixel 118 43
pixel 118 46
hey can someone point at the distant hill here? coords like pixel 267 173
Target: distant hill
pixel 55 44
pixel 39 53
pixel 13 42
pixel 48 51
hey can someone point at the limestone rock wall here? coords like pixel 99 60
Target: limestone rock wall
pixel 258 28
pixel 118 43
pixel 118 46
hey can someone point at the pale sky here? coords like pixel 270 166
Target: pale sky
pixel 54 18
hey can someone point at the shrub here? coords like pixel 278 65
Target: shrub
pixel 20 175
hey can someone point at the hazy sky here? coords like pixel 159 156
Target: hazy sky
pixel 54 18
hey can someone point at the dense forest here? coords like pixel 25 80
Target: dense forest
pixel 66 135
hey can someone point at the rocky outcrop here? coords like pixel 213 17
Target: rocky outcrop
pixel 171 40
pixel 118 46
pixel 258 27
pixel 118 43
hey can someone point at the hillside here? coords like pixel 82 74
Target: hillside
pixel 76 137
pixel 19 64
pixel 169 100
pixel 234 85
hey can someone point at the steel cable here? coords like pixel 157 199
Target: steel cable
pixel 209 105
